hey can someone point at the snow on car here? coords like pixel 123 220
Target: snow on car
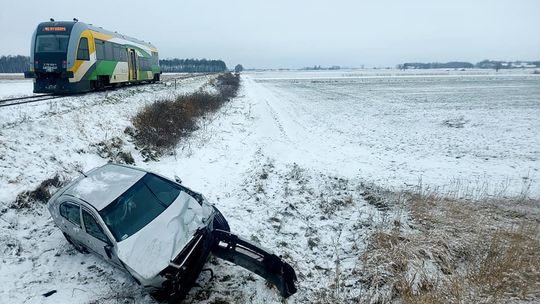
pixel 156 229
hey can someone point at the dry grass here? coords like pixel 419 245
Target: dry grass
pixel 228 85
pixel 42 193
pixel 113 150
pixel 162 124
pixel 456 251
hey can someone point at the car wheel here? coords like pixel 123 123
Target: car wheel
pixel 219 221
pixel 77 247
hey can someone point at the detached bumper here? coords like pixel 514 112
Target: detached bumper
pixel 236 250
pixel 186 267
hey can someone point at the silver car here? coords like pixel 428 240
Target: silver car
pixel 155 229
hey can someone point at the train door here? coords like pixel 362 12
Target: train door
pixel 132 62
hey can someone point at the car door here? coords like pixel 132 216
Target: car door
pixel 96 239
pixel 71 220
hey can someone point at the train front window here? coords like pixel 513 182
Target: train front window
pixel 83 52
pixel 52 43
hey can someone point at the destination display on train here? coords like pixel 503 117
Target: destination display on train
pixel 54 29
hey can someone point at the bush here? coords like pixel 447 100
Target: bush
pixel 162 124
pixel 41 194
pixel 113 150
pixel 228 85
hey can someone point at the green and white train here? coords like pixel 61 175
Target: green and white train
pixel 73 57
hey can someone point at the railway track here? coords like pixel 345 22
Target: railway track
pixel 26 99
pixel 35 98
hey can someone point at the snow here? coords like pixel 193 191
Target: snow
pixel 104 185
pixel 149 250
pixel 287 162
pixel 15 88
pixel 392 130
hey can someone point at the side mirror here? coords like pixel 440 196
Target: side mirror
pixel 177 179
pixel 108 251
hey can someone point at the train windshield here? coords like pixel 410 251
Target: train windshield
pixel 52 43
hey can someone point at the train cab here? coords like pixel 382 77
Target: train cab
pixel 74 57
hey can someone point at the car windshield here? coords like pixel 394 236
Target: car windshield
pixel 139 205
pixel 52 43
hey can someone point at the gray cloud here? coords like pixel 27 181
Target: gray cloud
pixel 301 33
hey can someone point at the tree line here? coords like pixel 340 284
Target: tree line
pixel 484 64
pixel 20 64
pixel 14 64
pixel 318 68
pixel 192 65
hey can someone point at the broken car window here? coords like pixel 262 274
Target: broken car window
pixel 138 206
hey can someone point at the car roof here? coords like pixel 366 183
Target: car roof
pixel 102 185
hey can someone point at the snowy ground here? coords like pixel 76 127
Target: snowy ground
pixel 469 131
pixel 287 162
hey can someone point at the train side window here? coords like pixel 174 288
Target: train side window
pixel 116 53
pixel 148 64
pixel 82 52
pixel 142 63
pixel 119 52
pixel 100 49
pixel 109 54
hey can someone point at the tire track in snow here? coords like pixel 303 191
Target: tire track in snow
pixel 259 92
pixel 277 120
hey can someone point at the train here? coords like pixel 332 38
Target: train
pixel 74 57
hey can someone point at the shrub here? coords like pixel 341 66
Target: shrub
pixel 228 85
pixel 113 149
pixel 162 124
pixel 42 193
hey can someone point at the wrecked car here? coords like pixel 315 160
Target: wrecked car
pixel 156 229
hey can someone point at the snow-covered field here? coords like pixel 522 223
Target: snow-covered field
pixel 471 131
pixel 287 162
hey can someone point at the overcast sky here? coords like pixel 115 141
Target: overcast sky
pixel 280 33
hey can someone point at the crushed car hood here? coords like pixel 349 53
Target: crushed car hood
pixel 150 250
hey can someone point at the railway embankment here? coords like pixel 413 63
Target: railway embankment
pixel 161 125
